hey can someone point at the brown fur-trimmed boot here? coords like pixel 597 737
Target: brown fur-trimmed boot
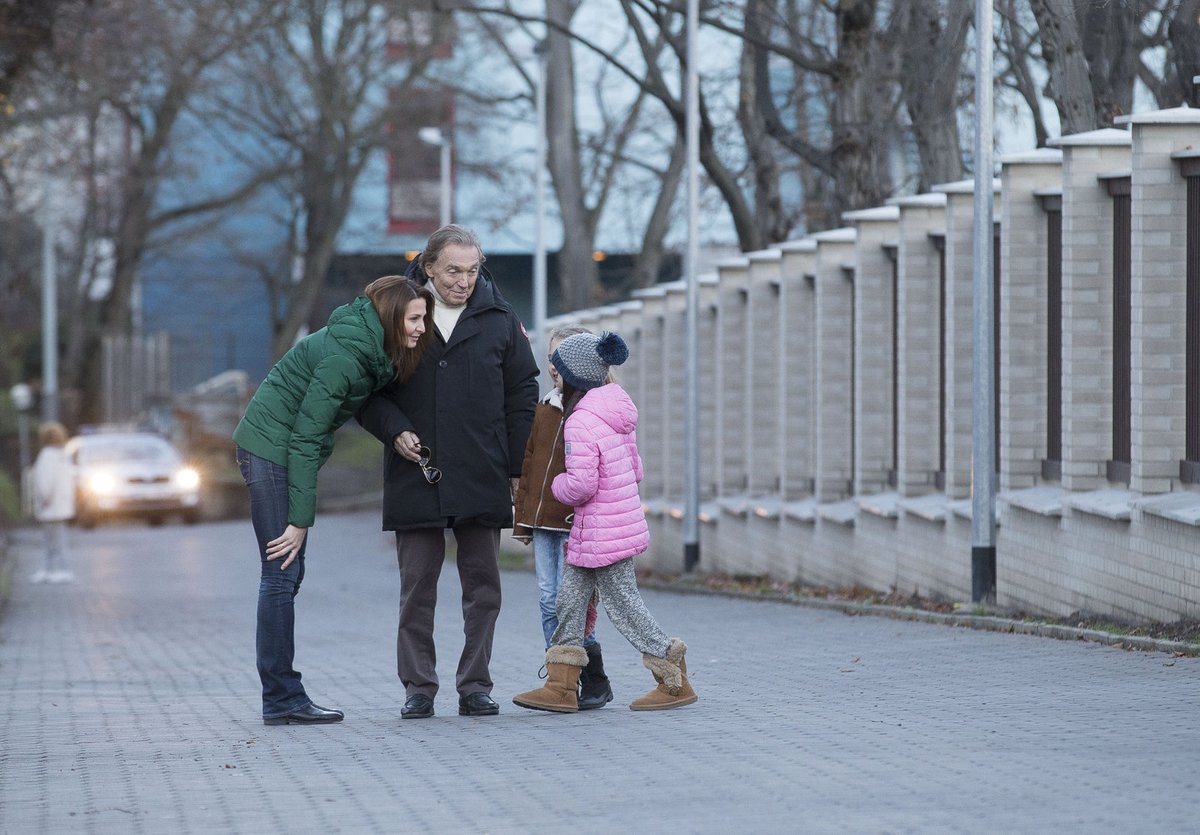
pixel 674 689
pixel 562 677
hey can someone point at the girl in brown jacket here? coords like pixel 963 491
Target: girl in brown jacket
pixel 543 520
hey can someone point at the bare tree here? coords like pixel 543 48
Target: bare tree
pixel 1092 53
pixel 933 36
pixel 318 94
pixel 147 62
pixel 1178 35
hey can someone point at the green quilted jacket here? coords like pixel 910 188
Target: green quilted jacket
pixel 311 391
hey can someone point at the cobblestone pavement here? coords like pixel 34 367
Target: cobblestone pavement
pixel 129 703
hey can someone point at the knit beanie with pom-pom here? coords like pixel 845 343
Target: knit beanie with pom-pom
pixel 583 360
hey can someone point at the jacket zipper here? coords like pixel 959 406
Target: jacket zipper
pixel 537 516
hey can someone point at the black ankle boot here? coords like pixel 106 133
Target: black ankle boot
pixel 594 689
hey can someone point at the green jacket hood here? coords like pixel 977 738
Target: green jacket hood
pixel 356 327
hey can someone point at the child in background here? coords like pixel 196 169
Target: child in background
pixel 54 501
pixel 609 528
pixel 544 520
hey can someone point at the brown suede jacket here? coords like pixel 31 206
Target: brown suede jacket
pixel 534 505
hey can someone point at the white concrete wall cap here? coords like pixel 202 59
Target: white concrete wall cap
pixel 765 255
pixel 799 245
pixel 1048 192
pixel 1038 156
pixel 1115 174
pixel 1104 136
pixel 963 187
pixel 1183 115
pixel 918 201
pixel 1186 153
pixel 879 213
pixel 656 292
pixel 845 235
pixel 629 306
pixel 739 262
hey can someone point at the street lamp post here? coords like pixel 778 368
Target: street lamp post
pixel 983 428
pixel 438 137
pixel 540 341
pixel 691 517
pixel 22 400
pixel 49 312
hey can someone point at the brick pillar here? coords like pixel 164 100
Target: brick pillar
pixel 834 329
pixel 873 378
pixel 1159 320
pixel 1023 314
pixel 959 316
pixel 732 392
pixel 761 422
pixel 797 371
pixel 1087 284
pixel 918 261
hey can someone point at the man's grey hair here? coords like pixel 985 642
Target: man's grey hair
pixel 451 234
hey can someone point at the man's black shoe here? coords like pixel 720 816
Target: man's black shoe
pixel 418 706
pixel 477 704
pixel 308 715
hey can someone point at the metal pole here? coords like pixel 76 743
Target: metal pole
pixel 49 312
pixel 447 189
pixel 983 434
pixel 540 339
pixel 691 516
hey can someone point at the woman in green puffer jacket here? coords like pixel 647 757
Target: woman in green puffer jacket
pixel 287 434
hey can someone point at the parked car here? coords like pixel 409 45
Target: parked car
pixel 131 474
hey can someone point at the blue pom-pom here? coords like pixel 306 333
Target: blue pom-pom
pixel 612 349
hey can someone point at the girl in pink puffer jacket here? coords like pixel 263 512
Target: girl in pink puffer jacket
pixel 603 469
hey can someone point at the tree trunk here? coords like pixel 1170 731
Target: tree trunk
pixel 859 126
pixel 578 273
pixel 1070 84
pixel 1183 36
pixel 931 61
pixel 1110 47
pixel 770 218
pixel 648 263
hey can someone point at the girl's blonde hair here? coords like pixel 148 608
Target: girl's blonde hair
pixel 52 433
pixel 563 331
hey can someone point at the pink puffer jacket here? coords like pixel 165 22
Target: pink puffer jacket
pixel 601 481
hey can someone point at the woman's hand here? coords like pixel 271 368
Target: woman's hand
pixel 408 445
pixel 288 544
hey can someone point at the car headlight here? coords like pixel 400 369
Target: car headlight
pixel 101 483
pixel 187 479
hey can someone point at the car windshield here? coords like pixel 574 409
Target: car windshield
pixel 113 450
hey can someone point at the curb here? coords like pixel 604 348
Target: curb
pixel 989 623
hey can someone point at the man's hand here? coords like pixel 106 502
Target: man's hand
pixel 288 544
pixel 408 445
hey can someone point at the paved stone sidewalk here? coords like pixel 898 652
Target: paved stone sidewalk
pixel 128 703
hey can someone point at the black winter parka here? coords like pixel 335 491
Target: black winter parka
pixel 471 401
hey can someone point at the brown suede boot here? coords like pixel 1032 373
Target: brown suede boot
pixel 674 689
pixel 562 677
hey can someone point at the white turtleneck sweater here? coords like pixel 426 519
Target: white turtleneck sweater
pixel 445 316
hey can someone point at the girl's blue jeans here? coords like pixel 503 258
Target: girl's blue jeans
pixel 549 551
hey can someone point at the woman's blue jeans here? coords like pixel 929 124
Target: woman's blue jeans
pixel 549 551
pixel 275 643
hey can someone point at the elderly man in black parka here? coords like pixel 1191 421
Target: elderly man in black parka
pixel 455 438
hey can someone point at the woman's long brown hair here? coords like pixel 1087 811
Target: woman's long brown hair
pixel 390 295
